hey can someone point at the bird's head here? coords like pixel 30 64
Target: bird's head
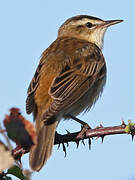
pixel 85 27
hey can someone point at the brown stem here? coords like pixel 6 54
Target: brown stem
pixel 77 136
pixel 90 133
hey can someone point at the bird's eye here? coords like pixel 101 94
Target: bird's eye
pixel 89 25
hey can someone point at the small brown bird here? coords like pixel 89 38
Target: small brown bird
pixel 68 80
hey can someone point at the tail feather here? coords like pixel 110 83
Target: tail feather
pixel 40 152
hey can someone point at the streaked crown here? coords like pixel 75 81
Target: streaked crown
pixel 85 27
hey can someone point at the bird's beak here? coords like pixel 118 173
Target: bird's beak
pixel 110 22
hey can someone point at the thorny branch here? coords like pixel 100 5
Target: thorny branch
pixel 99 131
pixel 90 133
pixel 15 120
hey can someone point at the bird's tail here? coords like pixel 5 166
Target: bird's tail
pixel 41 151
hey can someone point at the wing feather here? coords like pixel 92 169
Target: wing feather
pixel 78 73
pixel 73 83
pixel 30 102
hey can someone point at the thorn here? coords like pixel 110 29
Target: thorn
pixel 123 123
pixel 67 144
pixel 133 128
pixel 58 146
pixel 83 142
pixel 64 149
pixel 68 132
pixel 77 143
pixel 101 126
pixel 89 143
pixel 102 139
pixel 56 132
pixel 132 137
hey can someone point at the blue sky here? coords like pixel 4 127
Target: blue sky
pixel 29 27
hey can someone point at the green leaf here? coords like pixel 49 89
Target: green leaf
pixel 16 171
pixel 130 128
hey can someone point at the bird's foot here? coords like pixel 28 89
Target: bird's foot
pixel 84 128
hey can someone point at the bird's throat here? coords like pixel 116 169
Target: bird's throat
pixel 98 37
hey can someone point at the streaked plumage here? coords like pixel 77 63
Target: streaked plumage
pixel 68 80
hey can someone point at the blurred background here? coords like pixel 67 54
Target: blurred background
pixel 27 28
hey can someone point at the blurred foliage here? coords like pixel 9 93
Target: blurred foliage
pixel 22 132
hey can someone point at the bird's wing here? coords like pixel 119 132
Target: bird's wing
pixel 75 79
pixel 30 102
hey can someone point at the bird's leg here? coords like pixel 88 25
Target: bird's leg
pixel 85 126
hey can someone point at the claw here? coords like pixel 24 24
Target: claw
pixel 82 133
